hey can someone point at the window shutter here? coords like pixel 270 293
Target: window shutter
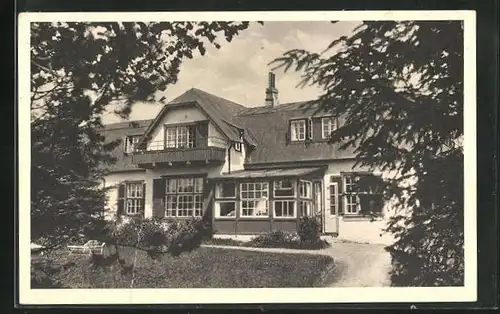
pixel 159 197
pixel 125 145
pixel 309 129
pixel 121 199
pixel 192 135
pixel 201 138
pixel 143 202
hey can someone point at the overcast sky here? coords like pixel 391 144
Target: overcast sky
pixel 238 70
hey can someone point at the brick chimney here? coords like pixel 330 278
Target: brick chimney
pixel 271 91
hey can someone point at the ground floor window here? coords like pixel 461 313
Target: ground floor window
pixel 351 199
pixel 334 197
pixel 284 209
pixel 184 197
pixel 254 199
pixel 305 208
pixel 131 198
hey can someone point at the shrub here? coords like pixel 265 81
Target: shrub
pixel 309 230
pixel 287 240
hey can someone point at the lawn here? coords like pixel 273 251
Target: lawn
pixel 202 268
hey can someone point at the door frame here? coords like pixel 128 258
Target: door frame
pixel 327 214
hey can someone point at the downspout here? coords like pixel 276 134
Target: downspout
pixel 229 158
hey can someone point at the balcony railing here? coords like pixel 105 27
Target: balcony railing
pixel 210 150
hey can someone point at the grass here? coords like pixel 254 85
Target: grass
pixel 202 268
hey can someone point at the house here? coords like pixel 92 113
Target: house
pixel 251 170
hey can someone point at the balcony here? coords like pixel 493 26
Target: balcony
pixel 156 155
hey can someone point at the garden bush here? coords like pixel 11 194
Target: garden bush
pixel 309 230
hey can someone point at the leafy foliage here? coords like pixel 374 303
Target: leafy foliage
pixel 397 88
pixel 79 72
pixel 309 230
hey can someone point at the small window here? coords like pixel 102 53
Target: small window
pixel 328 125
pixel 351 198
pixel 226 209
pixel 284 209
pixel 305 209
pixel 134 198
pixel 284 188
pixel 305 189
pixel 131 143
pixel 237 146
pixel 226 190
pixel 298 130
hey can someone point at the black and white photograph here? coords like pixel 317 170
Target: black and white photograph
pixel 308 155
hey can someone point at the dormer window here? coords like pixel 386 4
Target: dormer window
pixel 131 142
pixel 298 130
pixel 328 125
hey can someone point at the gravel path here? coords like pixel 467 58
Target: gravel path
pixel 358 265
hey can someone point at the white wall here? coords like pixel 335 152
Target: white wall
pixel 187 114
pixel 112 180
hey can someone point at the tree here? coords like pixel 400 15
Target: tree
pixel 77 71
pixel 399 87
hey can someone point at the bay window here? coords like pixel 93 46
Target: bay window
pixel 284 189
pixel 254 199
pixel 225 203
pixel 305 193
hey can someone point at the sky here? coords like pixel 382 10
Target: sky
pixel 238 71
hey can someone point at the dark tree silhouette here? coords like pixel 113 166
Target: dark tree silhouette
pixel 77 71
pixel 399 86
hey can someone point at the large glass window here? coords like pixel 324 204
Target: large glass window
pixel 184 197
pixel 225 204
pixel 254 199
pixel 284 209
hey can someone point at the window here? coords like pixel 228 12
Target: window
pixel 305 189
pixel 334 197
pixel 254 199
pixel 226 190
pixel 310 129
pixel 298 130
pixel 237 146
pixel 131 143
pixel 305 208
pixel 184 197
pixel 351 198
pixel 284 188
pixel 225 209
pixel 328 125
pixel 134 198
pixel 180 136
pixel 284 209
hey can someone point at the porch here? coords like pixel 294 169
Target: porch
pixel 251 202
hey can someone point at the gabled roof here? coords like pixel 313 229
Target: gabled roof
pixel 221 111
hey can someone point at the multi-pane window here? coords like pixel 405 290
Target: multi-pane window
pixel 298 130
pixel 131 143
pixel 305 208
pixel 328 125
pixel 284 209
pixel 134 198
pixel 351 198
pixel 180 137
pixel 254 199
pixel 184 197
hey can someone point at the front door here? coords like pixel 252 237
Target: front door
pixel 331 211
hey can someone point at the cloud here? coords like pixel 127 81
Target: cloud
pixel 238 70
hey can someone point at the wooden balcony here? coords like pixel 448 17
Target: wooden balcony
pixel 152 158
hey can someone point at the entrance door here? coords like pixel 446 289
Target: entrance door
pixel 331 211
